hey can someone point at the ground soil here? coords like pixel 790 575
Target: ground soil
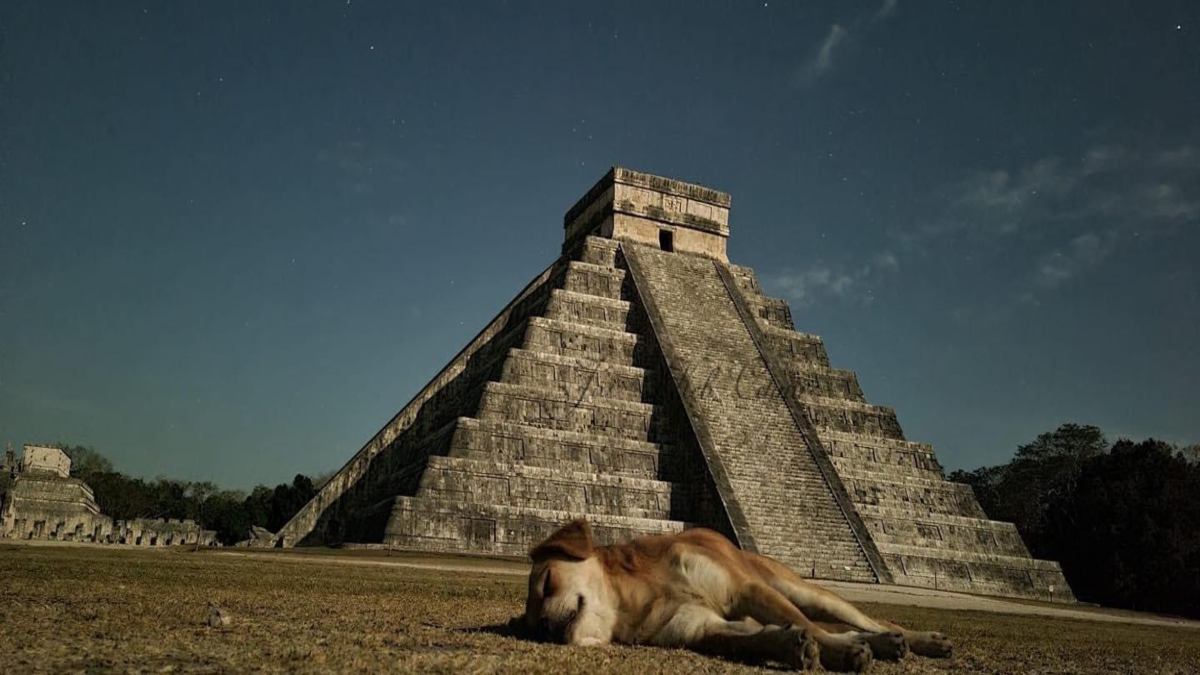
pixel 88 609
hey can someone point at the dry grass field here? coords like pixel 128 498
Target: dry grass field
pixel 100 610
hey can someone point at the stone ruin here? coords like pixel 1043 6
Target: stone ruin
pixel 645 382
pixel 162 532
pixel 39 500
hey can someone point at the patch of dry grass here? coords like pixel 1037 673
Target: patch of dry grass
pixel 87 609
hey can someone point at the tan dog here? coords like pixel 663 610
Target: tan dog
pixel 697 590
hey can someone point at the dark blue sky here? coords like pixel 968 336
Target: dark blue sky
pixel 235 238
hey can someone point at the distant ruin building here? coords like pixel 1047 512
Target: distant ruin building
pixel 162 532
pixel 645 382
pixel 40 500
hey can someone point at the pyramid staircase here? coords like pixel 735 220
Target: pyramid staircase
pixel 930 532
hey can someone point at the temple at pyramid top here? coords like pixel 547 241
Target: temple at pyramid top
pixel 646 209
pixel 643 381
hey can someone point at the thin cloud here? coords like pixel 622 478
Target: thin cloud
pixel 836 38
pixel 886 10
pixel 361 167
pixel 1064 217
pixel 1079 255
pixel 821 281
pixel 824 59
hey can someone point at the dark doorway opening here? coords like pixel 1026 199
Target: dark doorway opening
pixel 666 240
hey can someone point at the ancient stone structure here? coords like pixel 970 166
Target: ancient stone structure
pixel 645 382
pixel 40 500
pixel 162 532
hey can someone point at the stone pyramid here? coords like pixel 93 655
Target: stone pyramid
pixel 645 382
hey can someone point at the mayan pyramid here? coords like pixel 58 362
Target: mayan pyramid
pixel 645 382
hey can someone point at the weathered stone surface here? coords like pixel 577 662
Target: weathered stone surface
pixel 499 529
pixel 507 442
pixel 162 532
pixel 642 208
pixel 477 481
pixel 645 383
pixel 51 461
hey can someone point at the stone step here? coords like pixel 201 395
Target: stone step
pixel 976 572
pixel 770 311
pixel 945 532
pixel 867 474
pixel 773 312
pixel 503 441
pixel 814 380
pixel 846 464
pixel 796 346
pixel 575 376
pixel 552 409
pixel 916 496
pixel 975 541
pixel 599 251
pixel 488 482
pixel 954 531
pixel 601 280
pixel 854 417
pixel 1018 562
pixel 591 310
pixel 876 511
pixel 884 453
pixel 746 279
pixel 554 336
pixel 438 525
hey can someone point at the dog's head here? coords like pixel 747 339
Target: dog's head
pixel 569 600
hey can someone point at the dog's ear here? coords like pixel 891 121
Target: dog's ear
pixel 573 540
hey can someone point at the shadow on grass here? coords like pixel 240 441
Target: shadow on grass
pixel 514 628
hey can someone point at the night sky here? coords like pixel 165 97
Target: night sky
pixel 235 238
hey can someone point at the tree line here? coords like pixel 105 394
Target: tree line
pixel 1122 518
pixel 231 513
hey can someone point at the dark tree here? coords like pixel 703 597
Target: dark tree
pixel 1129 535
pixel 1040 475
pixel 1124 522
pixel 85 460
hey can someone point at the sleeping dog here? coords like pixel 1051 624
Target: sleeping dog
pixel 697 590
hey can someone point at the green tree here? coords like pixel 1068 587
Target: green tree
pixel 1041 474
pixel 85 460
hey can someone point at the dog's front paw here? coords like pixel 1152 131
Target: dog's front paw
pixel 887 646
pixel 800 650
pixel 852 656
pixel 929 643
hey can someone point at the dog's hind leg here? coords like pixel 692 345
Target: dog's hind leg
pixel 767 605
pixel 701 629
pixel 887 640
